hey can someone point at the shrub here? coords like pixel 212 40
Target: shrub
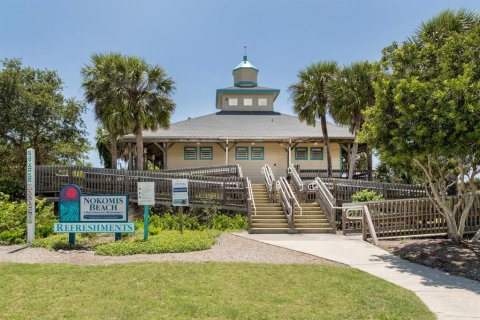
pixel 164 242
pixel 366 195
pixel 13 188
pixel 59 242
pixel 13 220
pixel 223 222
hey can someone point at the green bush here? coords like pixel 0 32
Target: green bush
pixel 59 242
pixel 13 220
pixel 366 195
pixel 223 222
pixel 13 188
pixel 164 242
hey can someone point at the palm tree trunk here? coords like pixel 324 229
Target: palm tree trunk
pixel 139 141
pixel 353 156
pixel 323 122
pixel 113 150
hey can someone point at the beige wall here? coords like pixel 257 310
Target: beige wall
pixel 274 155
pixel 240 107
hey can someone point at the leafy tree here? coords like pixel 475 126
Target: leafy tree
pixel 427 110
pixel 351 92
pixel 101 80
pixel 132 95
pixel 311 100
pixel 35 114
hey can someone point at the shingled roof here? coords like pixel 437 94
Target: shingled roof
pixel 236 125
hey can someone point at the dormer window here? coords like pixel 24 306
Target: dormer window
pixel 232 101
pixel 262 102
pixel 247 102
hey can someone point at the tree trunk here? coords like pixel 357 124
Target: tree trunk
pixel 113 150
pixel 353 158
pixel 369 163
pixel 323 122
pixel 139 141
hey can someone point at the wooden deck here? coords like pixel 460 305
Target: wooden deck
pixel 222 186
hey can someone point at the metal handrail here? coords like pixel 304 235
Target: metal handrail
pixel 296 177
pixel 284 200
pixel 269 181
pixel 291 195
pixel 250 196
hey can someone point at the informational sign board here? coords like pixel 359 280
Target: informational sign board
pixel 146 193
pixel 180 192
pixel 103 208
pixel 30 195
pixel 92 213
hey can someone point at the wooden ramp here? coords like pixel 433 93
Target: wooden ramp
pixel 223 186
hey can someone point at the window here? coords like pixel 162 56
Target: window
pixel 301 153
pixel 257 153
pixel 247 102
pixel 262 102
pixel 241 153
pixel 232 101
pixel 190 153
pixel 316 153
pixel 206 153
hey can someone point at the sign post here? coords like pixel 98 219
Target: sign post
pixel 180 197
pixel 146 197
pixel 30 195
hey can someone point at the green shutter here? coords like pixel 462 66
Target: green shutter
pixel 316 153
pixel 241 153
pixel 190 153
pixel 257 153
pixel 301 153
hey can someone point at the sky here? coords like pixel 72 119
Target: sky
pixel 199 42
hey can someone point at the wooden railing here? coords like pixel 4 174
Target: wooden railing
pixel 288 202
pixel 414 217
pixel 325 200
pixel 298 184
pixel 233 170
pixel 344 189
pixel 204 191
pixel 269 179
pixel 311 174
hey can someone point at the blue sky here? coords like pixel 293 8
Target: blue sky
pixel 199 42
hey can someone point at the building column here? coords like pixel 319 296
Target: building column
pixel 226 153
pixel 165 148
pixel 289 153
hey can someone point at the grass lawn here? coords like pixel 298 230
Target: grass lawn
pixel 201 291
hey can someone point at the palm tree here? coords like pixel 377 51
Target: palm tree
pixel 100 80
pixel 310 98
pixel 350 94
pixel 130 95
pixel 146 91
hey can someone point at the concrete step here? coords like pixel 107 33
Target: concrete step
pixel 268 230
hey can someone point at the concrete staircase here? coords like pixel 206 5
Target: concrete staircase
pixel 270 217
pixel 312 220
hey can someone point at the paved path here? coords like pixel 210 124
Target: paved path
pixel 448 296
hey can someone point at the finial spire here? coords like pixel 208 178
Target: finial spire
pixel 245 55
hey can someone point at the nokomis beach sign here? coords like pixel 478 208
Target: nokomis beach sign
pixel 92 213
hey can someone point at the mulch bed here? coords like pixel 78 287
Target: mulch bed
pixel 461 259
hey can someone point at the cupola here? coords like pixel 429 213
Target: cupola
pixel 245 74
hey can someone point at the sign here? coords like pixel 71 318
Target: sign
pixel 180 192
pixel 146 193
pixel 103 208
pixel 92 213
pixel 88 227
pixel 30 195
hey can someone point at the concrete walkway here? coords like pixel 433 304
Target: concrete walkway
pixel 448 296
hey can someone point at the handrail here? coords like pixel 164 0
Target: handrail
pixel 296 177
pixel 239 171
pixel 325 200
pixel 367 222
pixel 250 196
pixel 290 194
pixel 269 181
pixel 284 200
